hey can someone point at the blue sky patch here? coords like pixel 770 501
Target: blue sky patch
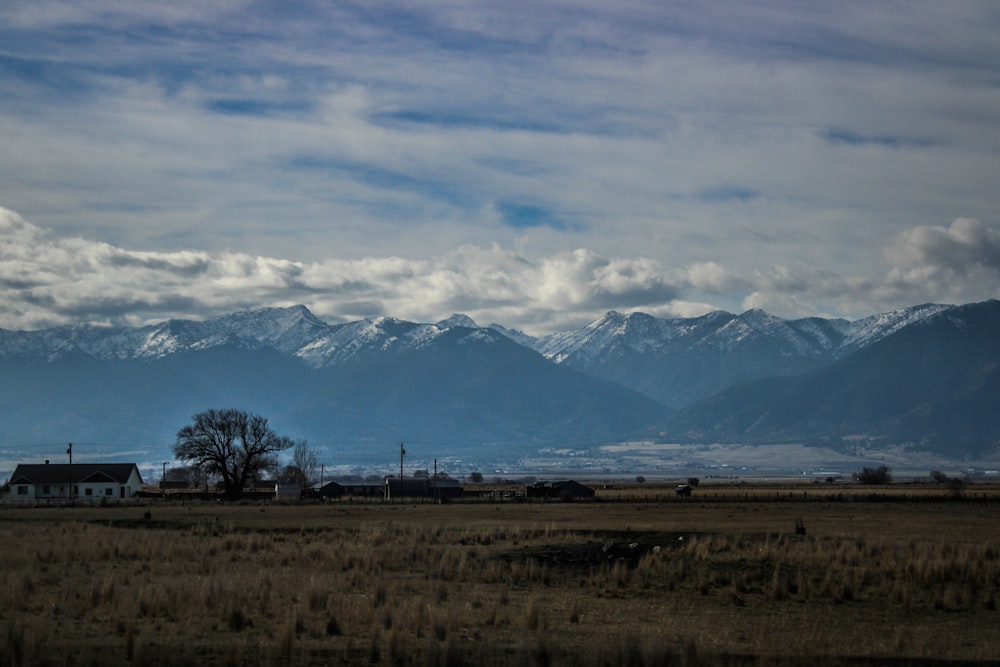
pixel 728 193
pixel 845 137
pixel 527 216
pixel 386 178
pixel 252 107
pixel 459 120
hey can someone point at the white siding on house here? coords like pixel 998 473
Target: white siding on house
pixel 88 482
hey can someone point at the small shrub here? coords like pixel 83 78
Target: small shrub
pixel 238 621
pixel 880 475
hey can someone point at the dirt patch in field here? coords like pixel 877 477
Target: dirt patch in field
pixel 609 548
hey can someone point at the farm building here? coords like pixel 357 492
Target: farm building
pixel 422 487
pixel 349 489
pixel 287 491
pixel 564 490
pixel 327 490
pixel 86 481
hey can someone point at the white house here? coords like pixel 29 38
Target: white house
pixel 87 481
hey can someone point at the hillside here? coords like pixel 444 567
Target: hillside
pixel 933 384
pixel 926 376
pixel 459 391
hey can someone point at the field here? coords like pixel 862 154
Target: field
pixel 901 576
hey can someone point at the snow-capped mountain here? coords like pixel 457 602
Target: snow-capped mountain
pixel 929 378
pixel 284 329
pixel 679 361
pixel 292 331
pixel 352 387
pixel 382 379
pixel 872 329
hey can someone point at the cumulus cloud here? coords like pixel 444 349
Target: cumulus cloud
pixel 958 262
pixel 966 245
pixel 51 280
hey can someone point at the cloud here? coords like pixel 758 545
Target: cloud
pixel 966 245
pixel 958 262
pixel 52 280
pixel 528 162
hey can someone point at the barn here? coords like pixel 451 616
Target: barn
pixel 84 481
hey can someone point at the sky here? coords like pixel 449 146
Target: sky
pixel 533 164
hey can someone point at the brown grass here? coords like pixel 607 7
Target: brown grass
pixel 551 584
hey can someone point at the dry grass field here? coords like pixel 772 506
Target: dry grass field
pixel 723 581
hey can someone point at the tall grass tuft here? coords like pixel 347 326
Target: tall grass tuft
pixel 14 654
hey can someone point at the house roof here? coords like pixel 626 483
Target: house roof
pixel 326 485
pixel 566 483
pixel 77 473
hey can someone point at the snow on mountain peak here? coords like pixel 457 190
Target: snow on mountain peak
pixel 870 329
pixel 297 331
pixel 458 320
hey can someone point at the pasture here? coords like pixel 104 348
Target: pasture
pixel 637 578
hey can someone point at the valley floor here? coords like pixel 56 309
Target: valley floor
pixel 714 579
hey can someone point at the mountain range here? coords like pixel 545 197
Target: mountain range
pixel 926 377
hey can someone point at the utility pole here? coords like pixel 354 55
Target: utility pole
pixel 402 453
pixel 69 489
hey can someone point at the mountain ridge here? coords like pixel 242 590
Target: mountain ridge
pixel 932 384
pixel 723 376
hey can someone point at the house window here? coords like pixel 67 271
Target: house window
pixel 109 491
pixel 22 490
pixel 88 492
pixel 46 490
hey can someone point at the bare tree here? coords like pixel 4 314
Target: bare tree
pixel 306 459
pixel 230 443
pixel 302 468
